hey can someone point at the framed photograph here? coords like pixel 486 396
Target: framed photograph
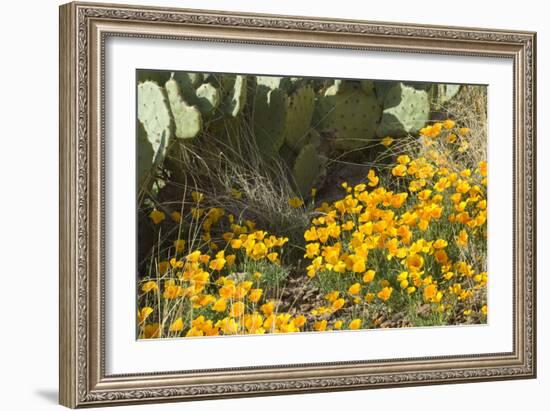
pixel 258 204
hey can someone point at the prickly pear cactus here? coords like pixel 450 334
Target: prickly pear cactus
pixel 154 113
pixel 298 119
pixel 406 110
pixel 187 119
pixel 188 80
pixel 208 98
pixel 446 92
pixel 145 156
pixel 268 118
pixel 337 86
pixel 367 86
pixel 273 82
pixel 158 76
pixel 236 99
pixel 349 113
pixel 381 88
pixel 306 169
pixel 313 137
pixel 200 90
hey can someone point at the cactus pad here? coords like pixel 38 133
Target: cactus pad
pixel 299 113
pixel 208 97
pixel 306 169
pixel 349 113
pixel 406 110
pixel 145 155
pixel 188 119
pixel 273 82
pixel 236 100
pixel 269 117
pixel 446 92
pixel 154 113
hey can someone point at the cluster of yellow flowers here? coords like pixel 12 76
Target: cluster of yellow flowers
pixel 234 308
pixel 410 240
pixel 199 294
pixel 414 242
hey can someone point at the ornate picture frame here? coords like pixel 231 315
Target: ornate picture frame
pixel 84 28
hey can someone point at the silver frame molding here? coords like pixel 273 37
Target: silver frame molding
pixel 84 27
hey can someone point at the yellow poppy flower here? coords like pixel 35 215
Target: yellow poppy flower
pixel 237 309
pixel 149 286
pixel 295 202
pixel 179 245
pixel 268 308
pixel 163 266
pixel 369 276
pixel 385 293
pixel 359 265
pixel 157 216
pixel 430 292
pixel 373 179
pixel 355 324
pixel 300 321
pixel 320 325
pixel 462 239
pixel 151 331
pixel 403 159
pixel 143 313
pixel 229 326
pixel 403 275
pixel 255 295
pixel 337 304
pixel 448 124
pixel 194 256
pixel 220 305
pixel 217 264
pixel 415 262
pixel 171 291
pixel 439 244
pixel 441 256
pixel 399 170
pixel 177 325
pixel 354 289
